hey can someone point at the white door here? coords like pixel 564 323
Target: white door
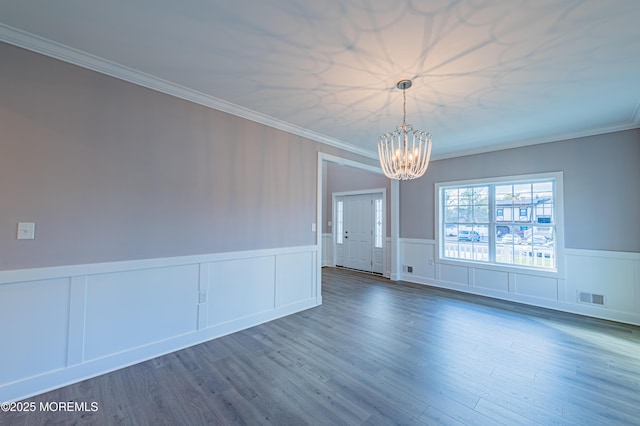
pixel 358 232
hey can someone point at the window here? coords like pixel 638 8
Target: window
pixel 339 221
pixel 466 222
pixel 506 221
pixel 378 224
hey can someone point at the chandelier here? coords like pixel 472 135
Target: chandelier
pixel 405 152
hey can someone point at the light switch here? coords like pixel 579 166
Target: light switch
pixel 313 227
pixel 26 231
pixel 329 224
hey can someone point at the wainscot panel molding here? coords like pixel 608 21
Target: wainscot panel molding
pixel 65 324
pixel 613 275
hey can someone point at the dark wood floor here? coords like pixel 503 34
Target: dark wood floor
pixel 375 353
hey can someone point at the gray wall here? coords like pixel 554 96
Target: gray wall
pixel 344 179
pixel 601 195
pixel 112 171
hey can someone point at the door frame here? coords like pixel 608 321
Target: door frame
pixel 373 191
pixel 394 214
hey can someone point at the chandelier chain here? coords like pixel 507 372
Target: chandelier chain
pixel 404 107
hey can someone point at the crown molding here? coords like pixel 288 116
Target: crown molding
pixel 44 46
pixel 545 139
pixel 86 60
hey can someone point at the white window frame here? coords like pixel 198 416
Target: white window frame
pixel 557 177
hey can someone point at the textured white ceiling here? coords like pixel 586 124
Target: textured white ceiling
pixel 486 73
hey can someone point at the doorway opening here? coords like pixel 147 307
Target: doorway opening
pixel 324 239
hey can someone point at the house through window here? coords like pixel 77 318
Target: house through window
pixel 503 221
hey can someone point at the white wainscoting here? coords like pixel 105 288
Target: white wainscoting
pixel 64 324
pixel 327 250
pixel 616 275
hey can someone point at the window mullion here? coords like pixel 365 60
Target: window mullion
pixel 492 224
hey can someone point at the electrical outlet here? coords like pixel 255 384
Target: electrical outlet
pixel 430 262
pixel 410 269
pixel 26 231
pixel 202 297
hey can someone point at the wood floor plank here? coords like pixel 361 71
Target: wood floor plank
pixel 373 399
pixel 459 413
pixel 375 353
pixel 435 417
pixel 502 414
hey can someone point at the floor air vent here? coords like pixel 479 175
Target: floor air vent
pixel 591 298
